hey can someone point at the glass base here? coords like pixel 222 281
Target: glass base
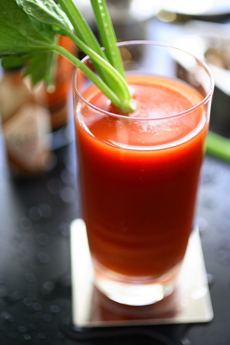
pixel 136 293
pixel 189 303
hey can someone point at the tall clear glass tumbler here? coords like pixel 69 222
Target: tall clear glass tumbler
pixel 139 173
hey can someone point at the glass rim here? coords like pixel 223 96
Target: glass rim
pixel 130 117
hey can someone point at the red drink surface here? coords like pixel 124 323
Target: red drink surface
pixel 139 179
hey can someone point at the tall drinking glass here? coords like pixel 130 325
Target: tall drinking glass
pixel 139 173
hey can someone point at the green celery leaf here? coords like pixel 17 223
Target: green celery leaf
pixel 18 35
pixel 41 67
pixel 46 11
pixel 14 61
pixel 45 29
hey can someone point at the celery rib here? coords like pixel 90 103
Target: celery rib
pixel 84 32
pixel 107 34
pixel 120 86
pixel 218 146
pixel 123 105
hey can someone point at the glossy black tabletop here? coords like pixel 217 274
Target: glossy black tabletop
pixel 35 281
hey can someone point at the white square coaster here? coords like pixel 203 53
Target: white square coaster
pixel 190 303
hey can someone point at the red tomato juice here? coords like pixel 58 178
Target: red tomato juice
pixel 139 177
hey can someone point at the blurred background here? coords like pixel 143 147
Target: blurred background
pixel 39 195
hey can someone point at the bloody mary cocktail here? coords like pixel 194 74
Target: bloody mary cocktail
pixel 139 175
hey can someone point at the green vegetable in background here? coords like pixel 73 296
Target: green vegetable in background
pixel 218 146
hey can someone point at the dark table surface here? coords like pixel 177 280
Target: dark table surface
pixel 35 288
